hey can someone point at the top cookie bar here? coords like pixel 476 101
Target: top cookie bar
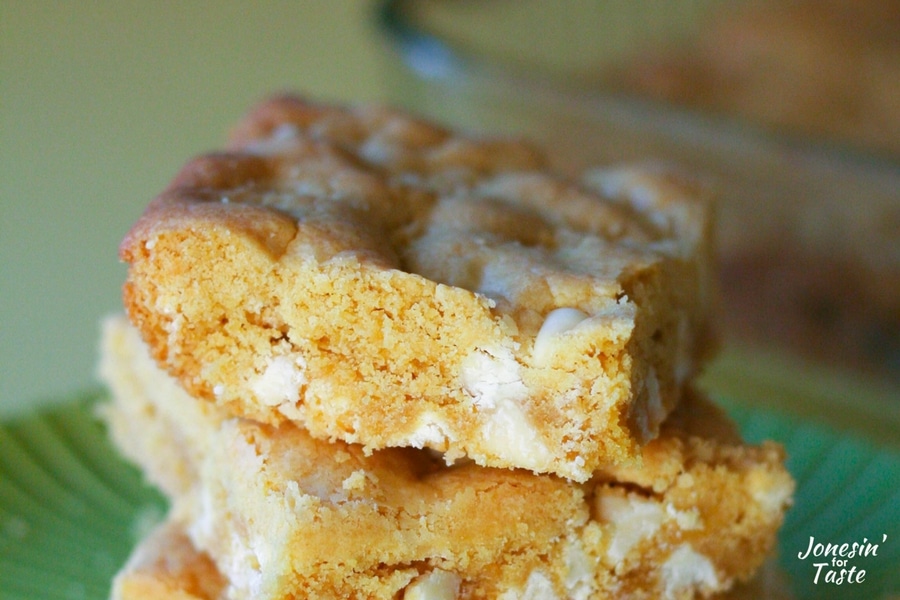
pixel 384 281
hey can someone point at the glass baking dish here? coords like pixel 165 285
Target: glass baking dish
pixel 809 224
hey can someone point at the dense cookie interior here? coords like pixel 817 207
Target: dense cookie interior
pixel 383 281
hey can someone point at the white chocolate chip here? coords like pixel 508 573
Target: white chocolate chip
pixel 686 519
pixel 684 569
pixel 580 567
pixel 356 481
pixel 282 138
pixel 281 381
pixel 635 520
pixel 493 379
pixel 431 431
pixel 436 585
pixel 538 587
pixel 557 322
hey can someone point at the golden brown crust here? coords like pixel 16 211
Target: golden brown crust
pixel 383 281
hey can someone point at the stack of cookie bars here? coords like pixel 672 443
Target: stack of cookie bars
pixel 368 357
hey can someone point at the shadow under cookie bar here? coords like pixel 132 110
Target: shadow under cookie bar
pixel 281 513
pixel 382 281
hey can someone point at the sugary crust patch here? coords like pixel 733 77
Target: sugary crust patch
pixel 283 514
pixel 380 280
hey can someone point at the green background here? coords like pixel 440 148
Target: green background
pixel 100 103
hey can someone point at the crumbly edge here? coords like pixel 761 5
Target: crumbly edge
pixel 369 353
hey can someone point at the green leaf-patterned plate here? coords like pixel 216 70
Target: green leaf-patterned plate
pixel 71 509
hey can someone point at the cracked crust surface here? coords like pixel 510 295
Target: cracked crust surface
pixel 284 515
pixel 380 280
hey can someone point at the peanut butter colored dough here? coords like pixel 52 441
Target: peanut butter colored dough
pixel 380 280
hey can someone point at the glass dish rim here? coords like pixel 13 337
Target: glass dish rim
pixel 437 60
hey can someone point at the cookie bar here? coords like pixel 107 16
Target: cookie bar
pixel 284 515
pixel 383 281
pixel 167 566
pixel 152 574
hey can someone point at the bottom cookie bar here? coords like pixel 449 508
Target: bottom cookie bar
pixel 282 515
pixel 153 574
pixel 167 566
